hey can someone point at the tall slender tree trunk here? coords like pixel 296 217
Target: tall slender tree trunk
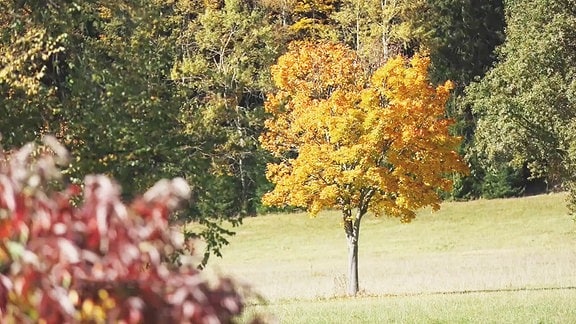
pixel 385 31
pixel 358 26
pixel 353 285
pixel 352 229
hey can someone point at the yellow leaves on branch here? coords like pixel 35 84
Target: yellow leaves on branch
pixel 23 62
pixel 347 141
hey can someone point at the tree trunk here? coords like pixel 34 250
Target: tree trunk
pixel 358 26
pixel 386 21
pixel 352 228
pixel 353 285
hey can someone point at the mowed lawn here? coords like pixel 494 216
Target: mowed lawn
pixel 509 260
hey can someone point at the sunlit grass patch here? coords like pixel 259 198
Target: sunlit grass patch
pixel 506 250
pixel 525 306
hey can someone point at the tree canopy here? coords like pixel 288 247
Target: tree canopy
pixel 142 90
pixel 106 79
pixel 526 103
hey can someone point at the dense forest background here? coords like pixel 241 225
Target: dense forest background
pixel 142 90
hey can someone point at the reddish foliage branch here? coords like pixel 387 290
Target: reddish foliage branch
pixel 101 261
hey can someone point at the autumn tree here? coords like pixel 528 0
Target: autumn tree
pixel 281 9
pixel 360 145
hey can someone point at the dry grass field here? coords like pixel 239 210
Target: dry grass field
pixel 517 255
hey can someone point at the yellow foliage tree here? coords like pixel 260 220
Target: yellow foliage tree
pixel 360 145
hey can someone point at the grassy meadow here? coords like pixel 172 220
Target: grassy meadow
pixel 508 260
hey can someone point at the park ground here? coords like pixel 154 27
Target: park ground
pixel 483 261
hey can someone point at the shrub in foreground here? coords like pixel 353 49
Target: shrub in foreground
pixel 99 260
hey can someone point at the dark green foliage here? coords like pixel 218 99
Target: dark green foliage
pixel 469 186
pixel 105 93
pixel 462 36
pixel 527 104
pixel 503 183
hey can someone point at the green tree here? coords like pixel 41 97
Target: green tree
pixel 380 29
pixel 223 71
pixel 462 36
pixel 98 75
pixel 383 148
pixel 527 103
